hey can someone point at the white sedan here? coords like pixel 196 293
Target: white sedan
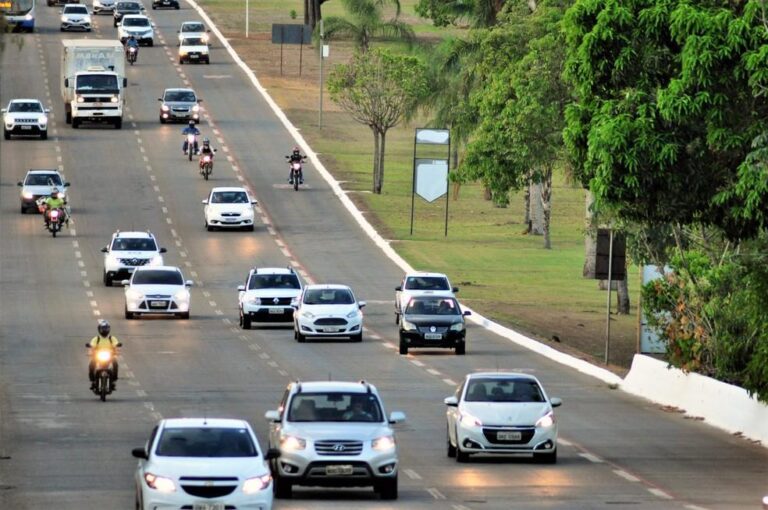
pixel 421 284
pixel 210 463
pixel 229 208
pixel 138 26
pixel 193 49
pixel 328 311
pixel 25 117
pixel 502 413
pixel 157 290
pixel 193 29
pixel 75 17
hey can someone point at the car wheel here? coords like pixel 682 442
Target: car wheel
pixel 403 347
pixel 107 280
pixel 177 7
pixel 6 134
pixel 184 316
pixel 451 449
pixel 181 61
pixel 299 337
pixel 114 24
pixel 283 487
pixel 68 115
pixel 151 42
pixel 357 338
pixel 397 318
pixel 75 123
pixel 208 227
pixel 119 123
pixel 461 348
pixel 546 458
pixel 460 455
pixel 387 488
pixel 23 209
pixel 246 321
pixel 249 228
pixel 162 120
pixel 129 315
pixel 44 135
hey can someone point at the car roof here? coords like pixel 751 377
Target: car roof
pixel 179 89
pixel 229 188
pixel 204 422
pixel 144 235
pixel 327 286
pixel 135 16
pixel 156 268
pixel 24 100
pixel 44 172
pixel 426 274
pixel 192 23
pixel 273 270
pixel 501 375
pixel 329 386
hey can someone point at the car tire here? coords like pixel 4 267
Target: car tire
pixel 6 134
pixel 107 279
pixel 283 487
pixel 151 43
pixel 245 321
pixel 357 338
pixel 68 115
pixel 546 458
pixel 461 456
pixel 397 318
pixel 451 451
pixel 403 347
pixel 387 488
pixel 299 337
pixel 461 348
pixel 184 316
pixel 208 227
pixel 129 315
pixel 23 209
pixel 181 61
pixel 249 228
pixel 75 123
pixel 177 7
pixel 44 135
pixel 119 123
pixel 114 24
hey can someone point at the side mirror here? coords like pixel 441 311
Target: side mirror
pixel 399 288
pixel 272 453
pixel 66 82
pixel 47 110
pixel 87 345
pixel 241 288
pixel 361 304
pixel 19 183
pixel 273 416
pixel 555 402
pixel 205 201
pixel 396 417
pixel 67 184
pixel 119 24
pixel 189 283
pixel 140 453
pixel 125 82
pixel 163 250
pixel 215 150
pixel 451 401
pixel 466 313
pixel 119 344
pixel 159 98
pixel 3 110
pixel 455 290
pixel 125 283
pixel 254 201
pixel 199 100
pixel 105 250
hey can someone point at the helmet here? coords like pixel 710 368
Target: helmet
pixel 296 150
pixel 54 191
pixel 103 328
pixel 206 142
pixel 191 123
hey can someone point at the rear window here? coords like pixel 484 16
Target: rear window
pixel 205 442
pixel 274 281
pixel 158 277
pixel 427 283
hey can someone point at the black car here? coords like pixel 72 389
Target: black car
pixel 433 321
pixel 123 8
pixel 166 4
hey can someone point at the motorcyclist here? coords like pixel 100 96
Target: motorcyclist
pixel 132 42
pixel 295 157
pixel 55 201
pixel 191 129
pixel 206 150
pixel 103 341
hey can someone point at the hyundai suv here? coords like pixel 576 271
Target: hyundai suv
pixel 127 251
pixel 333 434
pixel 267 295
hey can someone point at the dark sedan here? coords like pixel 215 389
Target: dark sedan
pixel 123 8
pixel 433 321
pixel 166 4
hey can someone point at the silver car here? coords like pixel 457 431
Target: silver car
pixel 104 6
pixel 179 104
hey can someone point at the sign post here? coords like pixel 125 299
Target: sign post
pixel 430 176
pixel 291 34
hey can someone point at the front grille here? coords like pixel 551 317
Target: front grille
pixel 230 215
pixel 181 110
pixel 285 301
pixel 25 121
pixel 201 491
pixel 97 108
pixel 331 321
pixel 339 447
pixel 89 99
pixel 428 329
pixel 526 433
pixel 133 262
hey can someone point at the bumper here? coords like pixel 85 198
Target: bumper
pixel 96 114
pixel 352 327
pixel 180 500
pixel 161 306
pixel 120 273
pixel 76 26
pixel 26 129
pixel 232 222
pixel 449 340
pixel 269 313
pixel 176 115
pixel 144 39
pixel 482 440
pixel 195 57
pixel 311 470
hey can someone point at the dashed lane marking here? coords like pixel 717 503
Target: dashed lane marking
pixel 623 474
pixel 435 493
pixel 433 371
pixel 416 362
pixel 141 393
pixel 413 475
pixel 659 493
pixel 591 458
pixel 450 382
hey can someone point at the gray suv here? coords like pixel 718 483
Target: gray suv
pixel 333 434
pixel 179 104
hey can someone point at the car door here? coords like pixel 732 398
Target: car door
pixel 452 412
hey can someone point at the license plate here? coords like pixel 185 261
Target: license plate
pixel 276 311
pixel 342 469
pixel 194 56
pixel 331 330
pixel 509 436
pixel 208 506
pixel 226 220
pixel 433 336
pixel 26 127
pixel 157 304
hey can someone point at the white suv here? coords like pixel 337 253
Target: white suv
pixel 333 434
pixel 25 117
pixel 136 25
pixel 127 251
pixel 267 295
pixel 421 284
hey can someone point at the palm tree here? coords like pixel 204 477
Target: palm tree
pixel 367 23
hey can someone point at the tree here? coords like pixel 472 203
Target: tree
pixel 479 13
pixel 367 23
pixel 378 89
pixel 313 12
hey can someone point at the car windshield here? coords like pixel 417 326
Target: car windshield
pixel 503 390
pixel 128 6
pixel 274 281
pixel 75 9
pixel 101 83
pixel 192 41
pixel 185 96
pixel 26 107
pixel 135 22
pixel 432 306
pixel 157 277
pixel 192 27
pixel 205 442
pixel 335 406
pixel 43 180
pixel 328 297
pixel 133 244
pixel 229 197
pixel 426 283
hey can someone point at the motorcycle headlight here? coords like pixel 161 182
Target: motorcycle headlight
pixel 409 326
pixel 165 107
pixel 292 443
pixel 28 195
pixel 307 315
pixel 470 421
pixel 546 421
pixel 257 484
pixel 103 355
pixel 383 443
pixel 459 326
pixel 159 483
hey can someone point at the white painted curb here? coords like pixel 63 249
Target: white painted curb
pixel 722 405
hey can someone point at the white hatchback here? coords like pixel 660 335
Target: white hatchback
pixel 229 208
pixel 502 413
pixel 75 17
pixel 136 25
pixel 209 463
pixel 193 49
pixel 157 290
pixel 328 311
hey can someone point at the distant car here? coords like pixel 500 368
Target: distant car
pixel 433 321
pixel 206 463
pixel 138 26
pixel 51 3
pixel 194 29
pixel 334 434
pixel 75 17
pixel 167 4
pixel 267 295
pixel 128 250
pixel 193 49
pixel 421 283
pixel 229 208
pixel 123 7
pixel 502 413
pixel 39 184
pixel 102 6
pixel 25 117
pixel 328 311
pixel 157 290
pixel 179 104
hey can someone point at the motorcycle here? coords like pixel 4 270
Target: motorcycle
pixel 132 54
pixel 297 175
pixel 190 145
pixel 206 165
pixel 55 218
pixel 104 371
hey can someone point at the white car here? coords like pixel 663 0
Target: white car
pixel 38 184
pixel 193 49
pixel 75 17
pixel 100 6
pixel 421 284
pixel 267 295
pixel 157 290
pixel 25 117
pixel 136 25
pixel 229 208
pixel 206 463
pixel 328 311
pixel 128 250
pixel 502 413
pixel 194 29
pixel 333 434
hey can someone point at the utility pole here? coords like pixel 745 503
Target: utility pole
pixel 322 48
pixel 247 17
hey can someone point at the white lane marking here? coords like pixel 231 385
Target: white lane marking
pixel 627 476
pixel 78 254
pixel 373 336
pixel 189 264
pixel 182 253
pixel 152 178
pixel 86 284
pixel 592 458
pixel 243 337
pixel 695 507
pixel 241 178
pixel 89 293
pixel 433 371
pixel 271 230
pixel 137 133
pixel 173 233
pixel 389 345
pixel 128 373
pixel 264 355
pixel 272 363
pixel 283 373
pixel 416 362
pixel 193 274
pixel 460 507
pixel 76 244
pixel 94 304
pixel 206 293
pixel 413 475
pixel 450 382
pixel 564 442
pixel 160 199
pixel 165 210
pixel 168 221
pixel 216 132
pixel 226 321
pixel 219 312
pixel 659 493
pixel 157 415
pixel 157 188
pixel 254 347
pixel 286 253
pixel 212 303
pixel 96 313
pixel 435 493
pixel 133 382
pixel 295 263
pixel 84 274
pixel 141 393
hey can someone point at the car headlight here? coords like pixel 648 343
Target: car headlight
pixel 27 195
pixel 43 123
pixel 159 483
pixel 257 484
pixel 182 295
pixel 409 326
pixel 80 99
pixel 470 421
pixel 383 443
pixel 183 53
pixel 353 314
pixel 205 38
pixel 254 301
pixel 134 295
pixel 28 17
pixel 546 421
pixel 457 327
pixel 292 443
pixel 196 108
pixel 307 315
pixel 157 260
pixel 63 19
pixel 114 99
pixel 165 107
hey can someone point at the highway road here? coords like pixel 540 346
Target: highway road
pixel 60 447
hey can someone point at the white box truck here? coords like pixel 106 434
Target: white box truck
pixel 93 81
